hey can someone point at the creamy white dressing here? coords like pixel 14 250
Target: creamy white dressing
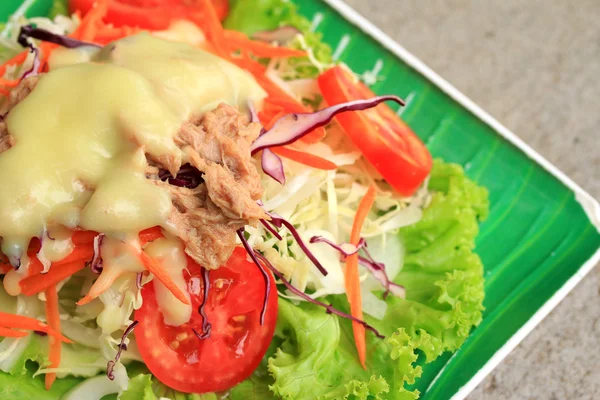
pixel 82 134
pixel 56 245
pixel 171 255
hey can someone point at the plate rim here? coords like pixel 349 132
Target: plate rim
pixel 590 206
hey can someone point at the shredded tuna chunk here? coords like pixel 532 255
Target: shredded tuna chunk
pixel 207 217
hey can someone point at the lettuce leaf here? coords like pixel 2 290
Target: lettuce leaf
pixel 444 283
pixel 26 387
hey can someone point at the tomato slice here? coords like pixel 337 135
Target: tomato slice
pixel 150 14
pixel 237 344
pixel 384 139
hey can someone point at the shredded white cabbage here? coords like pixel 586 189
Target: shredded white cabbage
pixel 324 203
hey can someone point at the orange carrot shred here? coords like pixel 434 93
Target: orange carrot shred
pixel 5 332
pixel 83 237
pixel 213 29
pixel 40 282
pixel 307 159
pixel 101 285
pixel 18 59
pixel 91 22
pixel 150 235
pixel 161 274
pixel 352 281
pixel 239 41
pixel 15 321
pixel 53 317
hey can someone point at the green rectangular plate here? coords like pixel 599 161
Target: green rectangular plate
pixel 539 240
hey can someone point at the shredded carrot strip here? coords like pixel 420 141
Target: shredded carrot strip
pixel 40 282
pixel 18 59
pixel 21 322
pixel 5 332
pixel 352 279
pixel 83 237
pixel 239 41
pixel 307 159
pixel 102 284
pixel 9 82
pixel 79 253
pixel 53 317
pixel 91 22
pixel 161 274
pixel 4 92
pixel 213 29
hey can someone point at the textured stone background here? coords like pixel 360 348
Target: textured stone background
pixel 535 66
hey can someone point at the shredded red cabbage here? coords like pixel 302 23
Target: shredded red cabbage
pixel 122 347
pixel 138 280
pixel 270 162
pixel 340 248
pixel 376 269
pixel 279 222
pixel 96 263
pixel 271 229
pixel 35 67
pixel 29 31
pixel 265 274
pixel 272 166
pixel 253 113
pixel 188 176
pixel 281 35
pixel 206 326
pixel 329 309
pixel 292 127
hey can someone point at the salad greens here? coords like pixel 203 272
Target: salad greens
pixel 313 355
pixel 443 278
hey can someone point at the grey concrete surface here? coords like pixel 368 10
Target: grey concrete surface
pixel 535 66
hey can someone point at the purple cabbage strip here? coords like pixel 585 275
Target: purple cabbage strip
pixel 138 280
pixel 281 35
pixel 206 326
pixel 299 293
pixel 321 239
pixel 292 127
pixel 188 176
pixel 271 229
pixel 253 113
pixel 265 274
pixel 270 162
pixel 28 31
pixel 272 166
pixel 96 263
pixel 278 222
pixel 35 68
pixel 376 269
pixel 122 346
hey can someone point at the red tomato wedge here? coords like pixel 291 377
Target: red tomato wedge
pixel 382 137
pixel 237 344
pixel 151 14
